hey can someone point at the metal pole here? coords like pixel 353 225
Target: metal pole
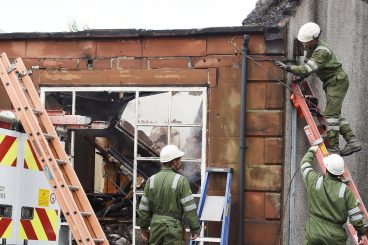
pixel 243 126
pixel 292 171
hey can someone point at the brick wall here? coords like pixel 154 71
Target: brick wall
pixel 206 60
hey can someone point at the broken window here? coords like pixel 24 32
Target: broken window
pixel 117 149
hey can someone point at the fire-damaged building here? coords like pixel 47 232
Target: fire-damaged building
pixel 144 89
pixel 213 92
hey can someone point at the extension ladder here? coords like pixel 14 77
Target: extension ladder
pixel 55 162
pixel 307 105
pixel 215 208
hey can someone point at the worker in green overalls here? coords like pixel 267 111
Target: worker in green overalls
pixel 321 60
pixel 330 203
pixel 166 198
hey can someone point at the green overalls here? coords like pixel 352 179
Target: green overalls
pixel 166 198
pixel 324 63
pixel 330 202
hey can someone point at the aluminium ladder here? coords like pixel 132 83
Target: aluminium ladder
pixel 215 208
pixel 55 162
pixel 307 105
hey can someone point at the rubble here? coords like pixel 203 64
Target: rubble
pixel 271 12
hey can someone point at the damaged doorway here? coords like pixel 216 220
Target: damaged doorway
pixel 117 146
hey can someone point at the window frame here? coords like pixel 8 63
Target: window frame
pixel 169 124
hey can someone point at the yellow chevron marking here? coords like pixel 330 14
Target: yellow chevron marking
pixel 22 233
pixel 29 158
pixel 2 136
pixel 11 155
pixel 51 213
pixel 8 231
pixel 38 228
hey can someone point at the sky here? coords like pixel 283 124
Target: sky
pixel 55 16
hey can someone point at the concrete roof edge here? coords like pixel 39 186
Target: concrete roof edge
pixel 131 33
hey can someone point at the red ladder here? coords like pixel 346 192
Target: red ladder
pixel 59 171
pixel 306 103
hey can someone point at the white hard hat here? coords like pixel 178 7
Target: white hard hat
pixel 334 164
pixel 308 32
pixel 169 153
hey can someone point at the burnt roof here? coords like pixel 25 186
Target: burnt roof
pixel 132 33
pixel 272 12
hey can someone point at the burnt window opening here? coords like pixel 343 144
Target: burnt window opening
pixel 138 123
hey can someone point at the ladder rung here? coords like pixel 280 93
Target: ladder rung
pixel 49 136
pixel 207 239
pixel 61 162
pixel 10 68
pixel 36 111
pixel 219 170
pixel 98 240
pixel 22 74
pixel 86 214
pixel 73 187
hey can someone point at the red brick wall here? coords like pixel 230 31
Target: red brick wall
pixel 205 60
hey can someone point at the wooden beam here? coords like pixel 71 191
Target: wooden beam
pixel 132 77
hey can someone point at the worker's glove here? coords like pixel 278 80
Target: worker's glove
pixel 362 239
pixel 282 65
pixel 297 79
pixel 145 234
pixel 314 148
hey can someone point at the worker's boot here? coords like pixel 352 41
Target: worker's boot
pixel 333 141
pixel 333 135
pixel 352 143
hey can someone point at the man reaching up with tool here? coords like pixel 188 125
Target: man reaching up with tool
pixel 166 198
pixel 321 60
pixel 330 203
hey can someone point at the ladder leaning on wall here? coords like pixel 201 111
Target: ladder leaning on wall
pixel 59 171
pixel 306 103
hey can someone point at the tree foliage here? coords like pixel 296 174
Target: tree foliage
pixel 74 26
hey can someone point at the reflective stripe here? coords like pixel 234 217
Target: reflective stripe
pixel 317 141
pixel 356 217
pixel 143 207
pixel 342 190
pixel 305 165
pixel 353 211
pixel 309 69
pixel 305 172
pixel 333 128
pixel 319 183
pixel 186 199
pixel 152 181
pixel 322 48
pixel 312 64
pixel 175 182
pixel 145 199
pixel 332 120
pixel 343 122
pixel 191 207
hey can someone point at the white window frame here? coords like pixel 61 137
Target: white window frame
pixel 74 90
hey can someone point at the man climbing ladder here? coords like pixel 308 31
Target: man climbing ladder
pixel 330 202
pixel 321 60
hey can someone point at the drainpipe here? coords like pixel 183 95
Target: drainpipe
pixel 243 126
pixel 292 221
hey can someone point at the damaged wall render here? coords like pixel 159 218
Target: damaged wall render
pixel 181 58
